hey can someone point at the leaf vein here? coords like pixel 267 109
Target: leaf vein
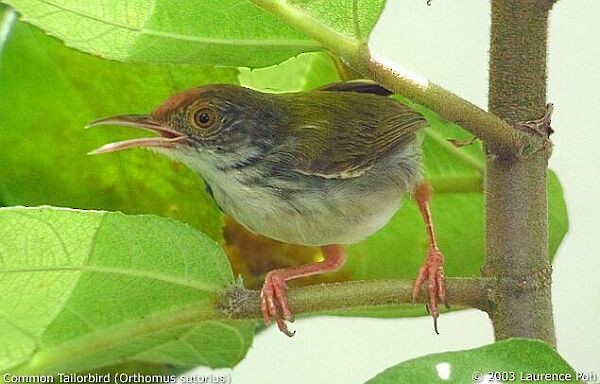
pixel 296 43
pixel 195 284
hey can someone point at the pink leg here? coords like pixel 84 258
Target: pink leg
pixel 273 300
pixel 432 270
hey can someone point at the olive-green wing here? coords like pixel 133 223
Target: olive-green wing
pixel 343 135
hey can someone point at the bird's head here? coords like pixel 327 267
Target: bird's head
pixel 218 124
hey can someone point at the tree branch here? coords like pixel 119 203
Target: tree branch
pixel 516 201
pixel 500 137
pixel 239 303
pixel 548 4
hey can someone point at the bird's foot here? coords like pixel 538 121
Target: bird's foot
pixel 433 272
pixel 273 302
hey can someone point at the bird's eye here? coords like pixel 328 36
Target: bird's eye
pixel 204 117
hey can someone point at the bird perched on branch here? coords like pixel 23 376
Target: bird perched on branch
pixel 323 168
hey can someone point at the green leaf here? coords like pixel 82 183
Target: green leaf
pixel 43 144
pixel 514 361
pixel 88 289
pixel 304 72
pixel 558 219
pixel 217 32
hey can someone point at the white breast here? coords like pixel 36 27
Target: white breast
pixel 346 213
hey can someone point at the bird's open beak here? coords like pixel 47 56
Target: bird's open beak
pixel 166 139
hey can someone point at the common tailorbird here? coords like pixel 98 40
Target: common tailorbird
pixel 324 168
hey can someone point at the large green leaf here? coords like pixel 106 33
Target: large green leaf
pixel 218 32
pixel 510 361
pixel 49 92
pixel 86 289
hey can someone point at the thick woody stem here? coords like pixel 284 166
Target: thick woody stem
pixel 516 201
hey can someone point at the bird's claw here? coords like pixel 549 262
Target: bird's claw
pixel 433 272
pixel 274 304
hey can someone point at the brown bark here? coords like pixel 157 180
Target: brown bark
pixel 516 201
